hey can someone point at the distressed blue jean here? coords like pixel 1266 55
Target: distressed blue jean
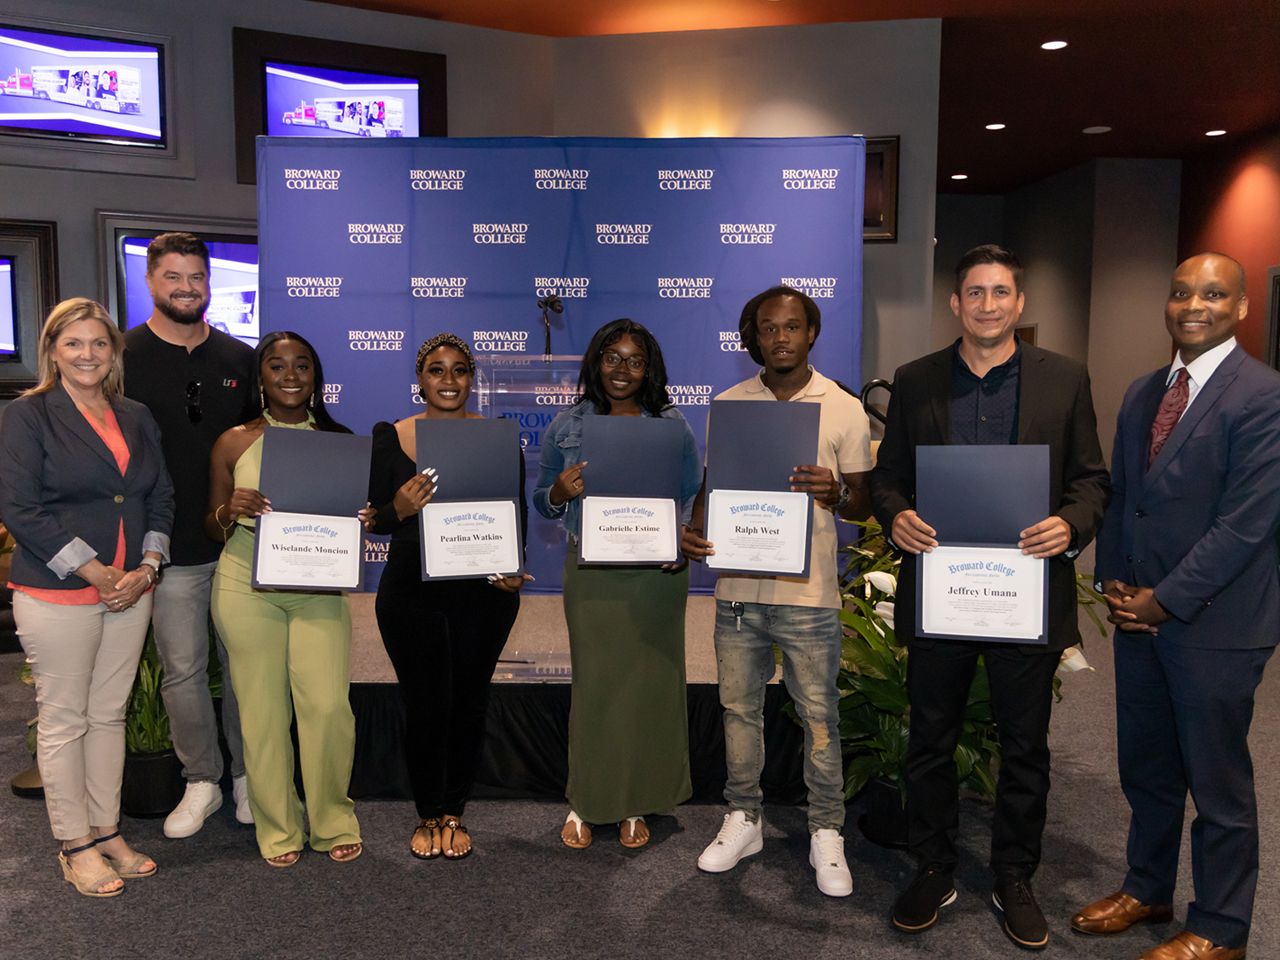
pixel 809 638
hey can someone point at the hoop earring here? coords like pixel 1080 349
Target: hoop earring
pixel 311 401
pixel 262 399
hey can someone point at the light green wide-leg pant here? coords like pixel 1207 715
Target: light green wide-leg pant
pixel 288 652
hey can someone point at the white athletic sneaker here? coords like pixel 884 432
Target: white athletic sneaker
pixel 738 838
pixel 201 799
pixel 240 794
pixel 826 856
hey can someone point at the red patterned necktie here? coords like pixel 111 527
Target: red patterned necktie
pixel 1171 407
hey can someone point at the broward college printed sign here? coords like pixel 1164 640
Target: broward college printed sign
pixel 369 247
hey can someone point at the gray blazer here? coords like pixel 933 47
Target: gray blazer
pixel 63 498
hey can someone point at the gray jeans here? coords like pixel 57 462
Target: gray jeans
pixel 809 638
pixel 181 620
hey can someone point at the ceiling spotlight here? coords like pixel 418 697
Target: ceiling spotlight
pixel 1096 130
pixel 959 176
pixel 995 126
pixel 1053 45
pixel 1215 133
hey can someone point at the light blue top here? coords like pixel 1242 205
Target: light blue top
pixel 562 448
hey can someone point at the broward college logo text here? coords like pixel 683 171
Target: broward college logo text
pixel 685 179
pixel 566 288
pixel 823 178
pixel 504 233
pixel 819 288
pixel 500 341
pixel 685 288
pixel 303 179
pixel 556 178
pixel 375 232
pixel 437 179
pixel 623 233
pixel 305 287
pixel 433 288
pixel 333 393
pixel 747 232
pixel 375 339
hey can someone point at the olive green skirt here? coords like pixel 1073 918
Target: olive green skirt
pixel 628 724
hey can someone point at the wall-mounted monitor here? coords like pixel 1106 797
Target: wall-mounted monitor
pixel 8 336
pixel 81 86
pixel 233 269
pixel 28 291
pixel 307 86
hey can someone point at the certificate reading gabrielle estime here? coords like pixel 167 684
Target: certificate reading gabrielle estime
pixel 302 551
pixel 628 530
pixel 982 592
pixel 470 538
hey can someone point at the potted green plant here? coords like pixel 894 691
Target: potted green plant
pixel 874 708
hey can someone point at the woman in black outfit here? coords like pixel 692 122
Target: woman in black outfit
pixel 443 637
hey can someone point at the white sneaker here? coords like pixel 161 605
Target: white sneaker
pixel 738 838
pixel 240 794
pixel 201 799
pixel 826 856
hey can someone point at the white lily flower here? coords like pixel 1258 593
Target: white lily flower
pixel 884 609
pixel 883 581
pixel 1073 660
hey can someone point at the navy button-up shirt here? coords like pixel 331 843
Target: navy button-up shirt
pixel 985 410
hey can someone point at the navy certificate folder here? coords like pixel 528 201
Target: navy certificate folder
pixel 315 471
pixel 632 457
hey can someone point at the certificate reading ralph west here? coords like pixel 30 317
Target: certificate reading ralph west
pixel 760 531
pixel 470 538
pixel 303 551
pixel 983 592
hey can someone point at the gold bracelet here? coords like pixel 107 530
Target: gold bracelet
pixel 225 526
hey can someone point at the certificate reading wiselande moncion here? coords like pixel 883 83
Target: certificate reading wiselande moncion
pixel 988 592
pixel 302 551
pixel 759 531
pixel 628 530
pixel 470 538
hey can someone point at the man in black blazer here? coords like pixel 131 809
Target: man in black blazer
pixel 1187 562
pixel 987 388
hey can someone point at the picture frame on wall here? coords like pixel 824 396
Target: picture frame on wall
pixel 880 204
pixel 28 291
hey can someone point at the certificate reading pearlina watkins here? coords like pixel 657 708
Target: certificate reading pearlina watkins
pixel 305 551
pixel 470 538
pixel 982 592
pixel 758 531
pixel 628 530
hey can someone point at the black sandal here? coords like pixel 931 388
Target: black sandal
pixel 429 824
pixel 455 825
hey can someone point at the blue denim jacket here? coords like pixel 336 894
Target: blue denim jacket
pixel 562 448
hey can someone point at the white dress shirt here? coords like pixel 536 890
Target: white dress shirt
pixel 1200 369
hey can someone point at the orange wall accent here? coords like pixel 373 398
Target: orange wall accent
pixel 1231 204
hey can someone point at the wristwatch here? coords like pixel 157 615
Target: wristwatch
pixel 846 495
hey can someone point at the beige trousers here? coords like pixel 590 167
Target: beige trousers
pixel 84 660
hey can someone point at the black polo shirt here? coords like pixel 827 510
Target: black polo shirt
pixel 214 381
pixel 985 410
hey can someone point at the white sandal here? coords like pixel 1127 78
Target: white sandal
pixel 629 825
pixel 579 828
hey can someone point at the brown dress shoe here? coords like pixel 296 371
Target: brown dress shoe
pixel 1187 946
pixel 1117 913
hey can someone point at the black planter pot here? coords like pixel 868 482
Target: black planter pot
pixel 152 784
pixel 885 821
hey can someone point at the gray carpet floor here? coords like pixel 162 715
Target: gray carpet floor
pixel 524 895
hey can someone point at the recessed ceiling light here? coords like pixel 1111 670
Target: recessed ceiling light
pixel 995 126
pixel 959 176
pixel 1215 133
pixel 1096 130
pixel 1053 45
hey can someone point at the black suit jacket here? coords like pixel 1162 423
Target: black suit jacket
pixel 1055 407
pixel 59 482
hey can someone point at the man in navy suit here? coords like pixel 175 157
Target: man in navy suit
pixel 1187 562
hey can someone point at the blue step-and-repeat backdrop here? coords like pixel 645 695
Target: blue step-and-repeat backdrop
pixel 370 247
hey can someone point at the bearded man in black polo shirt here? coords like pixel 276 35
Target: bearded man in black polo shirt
pixel 196 381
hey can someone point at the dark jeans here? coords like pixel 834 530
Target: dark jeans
pixel 444 639
pixel 939 674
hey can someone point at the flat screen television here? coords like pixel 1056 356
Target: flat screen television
pixel 8 337
pixel 81 87
pixel 309 86
pixel 233 282
pixel 318 102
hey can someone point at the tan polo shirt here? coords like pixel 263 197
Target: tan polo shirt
pixel 844 446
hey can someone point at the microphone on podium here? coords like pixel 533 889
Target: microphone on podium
pixel 548 305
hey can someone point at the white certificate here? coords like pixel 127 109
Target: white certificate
pixel 628 530
pixel 761 531
pixel 982 592
pixel 304 551
pixel 471 538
